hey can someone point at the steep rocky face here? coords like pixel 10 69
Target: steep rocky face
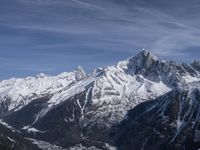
pixel 171 73
pixel 70 121
pixel 10 139
pixel 172 121
pixel 79 74
pixel 196 65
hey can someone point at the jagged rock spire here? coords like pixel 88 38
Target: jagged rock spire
pixel 142 61
pixel 80 73
pixel 196 65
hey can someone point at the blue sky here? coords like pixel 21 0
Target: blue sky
pixel 52 36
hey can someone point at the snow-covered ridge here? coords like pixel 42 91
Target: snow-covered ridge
pixel 153 68
pixel 20 91
pixel 169 120
pixel 136 79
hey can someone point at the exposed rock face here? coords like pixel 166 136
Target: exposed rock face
pixel 172 121
pixel 10 139
pixel 169 72
pixel 196 65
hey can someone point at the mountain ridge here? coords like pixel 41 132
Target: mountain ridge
pixel 168 122
pixel 85 107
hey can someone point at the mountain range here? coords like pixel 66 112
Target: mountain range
pixel 140 103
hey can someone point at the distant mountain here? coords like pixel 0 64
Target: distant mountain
pixel 18 92
pixel 74 108
pixel 171 121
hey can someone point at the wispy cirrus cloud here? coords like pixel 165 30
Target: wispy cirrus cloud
pixel 89 5
pixel 85 31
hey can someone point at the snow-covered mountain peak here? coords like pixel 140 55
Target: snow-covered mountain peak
pixel 146 54
pixel 41 75
pixel 80 73
pixel 17 92
pixel 144 57
pixel 157 70
pixel 153 68
pixel 142 62
pixel 97 71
